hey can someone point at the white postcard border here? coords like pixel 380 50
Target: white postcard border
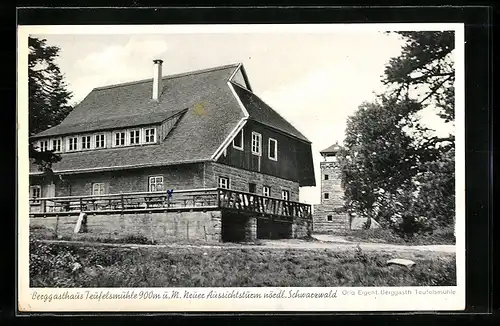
pixel 37 300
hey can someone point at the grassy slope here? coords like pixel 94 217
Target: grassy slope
pixel 51 265
pixel 439 237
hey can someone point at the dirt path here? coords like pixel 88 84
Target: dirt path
pixel 340 241
pixel 323 242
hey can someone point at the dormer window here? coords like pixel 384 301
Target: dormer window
pixel 100 141
pixel 120 139
pixel 44 145
pixel 86 142
pixel 150 135
pixel 135 137
pixel 56 145
pixel 72 144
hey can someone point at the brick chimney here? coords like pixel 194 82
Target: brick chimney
pixel 157 79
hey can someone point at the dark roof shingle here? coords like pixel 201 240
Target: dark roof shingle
pixel 263 113
pixel 332 149
pixel 212 113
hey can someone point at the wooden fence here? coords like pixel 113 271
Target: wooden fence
pixel 212 198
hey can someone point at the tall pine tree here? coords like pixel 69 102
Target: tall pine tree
pixel 394 170
pixel 48 96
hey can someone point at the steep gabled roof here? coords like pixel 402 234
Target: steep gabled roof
pixel 263 113
pixel 210 113
pixel 112 106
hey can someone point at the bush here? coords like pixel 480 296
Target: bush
pixel 54 262
pixel 440 236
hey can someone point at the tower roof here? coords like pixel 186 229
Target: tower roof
pixel 334 149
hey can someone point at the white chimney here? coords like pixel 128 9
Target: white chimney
pixel 157 79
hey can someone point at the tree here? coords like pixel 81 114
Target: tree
pixel 48 96
pixel 426 59
pixel 377 154
pixel 393 169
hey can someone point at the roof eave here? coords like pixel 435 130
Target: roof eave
pixel 245 77
pixel 122 167
pixel 304 140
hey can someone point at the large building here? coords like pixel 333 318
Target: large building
pixel 196 130
pixel 330 215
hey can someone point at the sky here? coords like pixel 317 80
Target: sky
pixel 314 80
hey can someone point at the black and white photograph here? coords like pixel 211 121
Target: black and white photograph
pixel 259 167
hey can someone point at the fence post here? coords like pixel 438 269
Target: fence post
pixel 57 225
pixel 123 204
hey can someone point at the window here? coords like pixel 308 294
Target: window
pixel 272 147
pixel 156 183
pixel 326 176
pixel 99 141
pixel 266 191
pixel 35 192
pixel 72 144
pixel 44 145
pixel 256 143
pixel 97 189
pixel 120 139
pixel 223 183
pixel 134 137
pixel 326 195
pixel 238 140
pixel 329 218
pixel 285 195
pixel 56 145
pixel 86 142
pixel 150 135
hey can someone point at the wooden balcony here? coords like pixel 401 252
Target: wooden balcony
pixel 182 200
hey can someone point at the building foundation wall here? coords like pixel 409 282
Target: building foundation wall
pixel 164 227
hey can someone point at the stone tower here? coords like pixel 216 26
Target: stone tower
pixel 330 214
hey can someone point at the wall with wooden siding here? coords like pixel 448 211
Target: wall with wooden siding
pixel 292 163
pixel 240 179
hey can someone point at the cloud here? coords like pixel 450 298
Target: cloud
pixel 116 64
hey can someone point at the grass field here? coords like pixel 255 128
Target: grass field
pixel 53 265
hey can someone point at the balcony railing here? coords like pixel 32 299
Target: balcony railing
pixel 212 198
pixel 252 203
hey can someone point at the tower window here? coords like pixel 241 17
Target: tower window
pixel 326 195
pixel 329 218
pixel 326 176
